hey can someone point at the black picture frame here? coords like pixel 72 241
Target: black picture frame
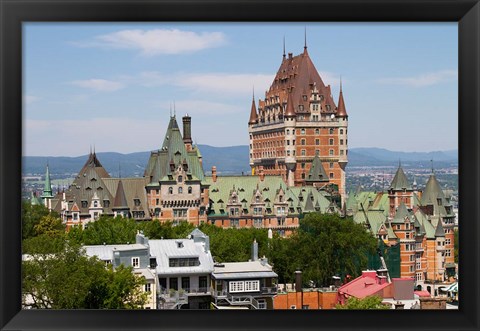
pixel 14 12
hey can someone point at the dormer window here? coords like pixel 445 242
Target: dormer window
pixel 180 179
pixel 136 202
pixel 257 199
pixel 189 190
pixel 106 203
pixel 84 204
pixel 170 190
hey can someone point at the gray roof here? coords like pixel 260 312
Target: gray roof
pixel 317 172
pixel 165 249
pixel 243 270
pixel 105 252
pixel 400 181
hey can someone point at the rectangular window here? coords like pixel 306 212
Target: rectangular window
pixel 174 284
pixel 252 286
pixel 331 165
pixel 304 152
pixel 341 152
pixel 419 265
pixel 135 262
pixel 330 141
pixel 303 142
pixel 331 175
pixel 186 283
pixel 235 286
pixel 317 141
pixel 331 152
pixel 148 287
pixel 202 283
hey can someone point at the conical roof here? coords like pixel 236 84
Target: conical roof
pixel 400 181
pixel 253 113
pixel 341 109
pixel 290 111
pixel 317 172
pixel 432 192
pixel 120 197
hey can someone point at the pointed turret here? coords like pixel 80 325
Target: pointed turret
pixel 253 113
pixel 341 109
pixel 47 188
pixel 400 181
pixel 290 111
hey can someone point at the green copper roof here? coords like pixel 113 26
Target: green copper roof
pixel 34 201
pixel 47 188
pixel 401 214
pixel 172 154
pixel 439 231
pixel 434 195
pixel 425 225
pixel 317 172
pixel 400 181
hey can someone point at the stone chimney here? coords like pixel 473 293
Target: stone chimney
pixel 187 132
pixel 214 174
pixel 261 174
pixel 298 281
pixel 254 250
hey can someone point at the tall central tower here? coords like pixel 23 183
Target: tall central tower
pixel 297 121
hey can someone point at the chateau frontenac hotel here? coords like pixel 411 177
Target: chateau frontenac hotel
pixel 298 154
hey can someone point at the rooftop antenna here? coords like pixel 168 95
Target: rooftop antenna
pixel 340 83
pixel 399 163
pixel 170 109
pixel 284 47
pixel 174 110
pixel 119 170
pixel 431 161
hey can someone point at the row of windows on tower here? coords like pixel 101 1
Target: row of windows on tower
pixel 180 190
pixel 303 152
pixel 303 131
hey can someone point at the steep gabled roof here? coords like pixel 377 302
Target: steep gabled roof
pixel 400 181
pixel 401 214
pixel 439 231
pixel 173 152
pixel 120 198
pixel 317 172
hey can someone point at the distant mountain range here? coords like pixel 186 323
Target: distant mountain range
pixel 231 160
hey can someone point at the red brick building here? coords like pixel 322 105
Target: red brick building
pixel 297 120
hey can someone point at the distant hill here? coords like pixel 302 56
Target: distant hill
pixel 229 160
pixel 364 156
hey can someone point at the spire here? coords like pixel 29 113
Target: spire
pixel 284 55
pixel 439 231
pixel 305 46
pixel 341 109
pixel 253 112
pixel 431 162
pixel 47 188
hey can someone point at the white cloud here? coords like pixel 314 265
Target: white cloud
pixel 157 41
pixel 123 135
pixel 422 80
pixel 101 85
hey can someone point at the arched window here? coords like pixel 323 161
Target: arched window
pixel 331 131
pixel 180 179
pixel 189 190
pixel 180 190
pixel 170 190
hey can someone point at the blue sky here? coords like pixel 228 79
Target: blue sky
pixel 111 85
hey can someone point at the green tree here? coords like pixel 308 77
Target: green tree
pixel 49 225
pixel 31 216
pixel 70 280
pixel 324 245
pixel 371 302
pixel 110 231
